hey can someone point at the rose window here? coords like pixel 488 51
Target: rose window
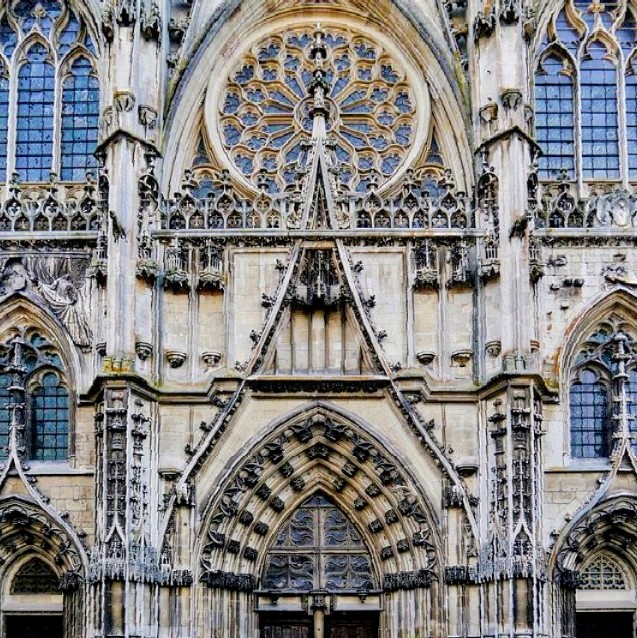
pixel 265 120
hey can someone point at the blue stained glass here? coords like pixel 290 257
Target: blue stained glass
pixel 354 96
pixel 588 399
pixel 627 32
pixel 50 420
pixel 292 82
pixel 8 37
pixel 566 32
pixel 231 134
pixel 4 121
pixel 390 164
pixel 379 142
pixel 334 40
pixel 358 109
pixel 366 163
pixel 5 414
pixel 275 108
pixel 403 135
pixel 256 95
pixel 598 83
pixel 275 128
pixel 361 127
pixel 294 153
pixel 269 75
pixel 364 51
pixel 300 41
pixel 88 43
pixel 386 118
pixel 244 164
pixel 269 52
pixel 232 103
pixel 280 97
pixel 355 140
pixel 339 85
pixel 306 77
pixel 631 120
pixel 289 176
pixel 68 35
pixel 34 126
pixel 587 15
pixel 80 112
pixel 245 75
pixel 292 63
pixel 388 74
pixel 280 140
pixel 343 62
pixel 270 164
pixel 249 119
pixel 342 155
pixel 256 143
pixel 365 75
pixel 379 95
pixel 403 102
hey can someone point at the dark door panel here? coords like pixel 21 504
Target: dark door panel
pixel 49 626
pixel 599 624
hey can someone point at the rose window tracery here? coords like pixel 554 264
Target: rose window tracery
pixel 265 120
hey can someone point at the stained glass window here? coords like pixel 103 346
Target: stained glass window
pixel 50 420
pixel 35 577
pixel 49 92
pixel 554 117
pixel 579 92
pixel 80 113
pixel 600 136
pixel 32 376
pixel 34 124
pixel 4 119
pixel 590 435
pixel 602 573
pixel 318 548
pixel 265 110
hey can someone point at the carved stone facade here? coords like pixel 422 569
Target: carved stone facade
pixel 317 345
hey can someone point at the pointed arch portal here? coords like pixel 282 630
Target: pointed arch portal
pixel 319 530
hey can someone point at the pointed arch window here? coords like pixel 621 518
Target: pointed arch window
pixel 603 390
pixel 318 548
pixel 34 398
pixel 585 93
pixel 603 572
pixel 35 577
pixel 48 71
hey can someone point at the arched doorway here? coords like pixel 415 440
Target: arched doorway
pixel 605 599
pixel 32 603
pixel 318 574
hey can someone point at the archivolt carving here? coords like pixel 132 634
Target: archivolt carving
pixel 321 450
pixel 24 526
pixel 611 525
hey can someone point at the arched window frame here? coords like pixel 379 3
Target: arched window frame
pixel 61 63
pixel 609 349
pixel 591 29
pixel 46 360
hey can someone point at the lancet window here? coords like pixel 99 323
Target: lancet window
pixel 586 92
pixel 603 391
pixel 602 572
pixel 318 548
pixel 48 70
pixel 34 399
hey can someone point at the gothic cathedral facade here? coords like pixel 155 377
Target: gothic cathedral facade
pixel 318 318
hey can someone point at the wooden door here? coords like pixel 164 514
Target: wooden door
pixel 42 626
pixel 281 625
pixel 600 624
pixel 351 625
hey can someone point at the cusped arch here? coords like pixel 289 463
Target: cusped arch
pixel 424 52
pixel 27 530
pixel 18 313
pixel 610 525
pixel 315 450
